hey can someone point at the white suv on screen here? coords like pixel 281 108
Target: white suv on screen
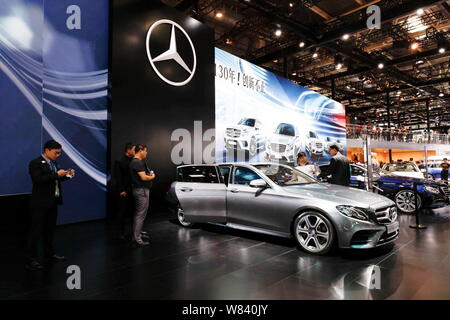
pixel 285 143
pixel 313 144
pixel 247 135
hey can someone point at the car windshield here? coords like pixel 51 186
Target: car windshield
pixel 247 122
pixel 400 167
pixel 312 135
pixel 285 129
pixel 285 175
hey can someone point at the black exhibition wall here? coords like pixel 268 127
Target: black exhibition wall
pixel 162 89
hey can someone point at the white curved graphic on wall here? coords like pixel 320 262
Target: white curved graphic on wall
pixel 78 96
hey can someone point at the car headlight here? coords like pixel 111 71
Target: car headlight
pixel 289 146
pixel 432 189
pixel 354 212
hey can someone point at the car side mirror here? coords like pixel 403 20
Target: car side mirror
pixel 258 183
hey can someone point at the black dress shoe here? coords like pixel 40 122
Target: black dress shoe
pixel 56 258
pixel 34 265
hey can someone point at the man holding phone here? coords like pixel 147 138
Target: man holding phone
pixel 141 181
pixel 46 195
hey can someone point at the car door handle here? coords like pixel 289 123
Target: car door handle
pixel 234 190
pixel 186 189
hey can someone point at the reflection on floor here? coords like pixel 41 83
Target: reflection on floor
pixel 212 262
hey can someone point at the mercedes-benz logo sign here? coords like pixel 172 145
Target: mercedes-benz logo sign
pixel 171 53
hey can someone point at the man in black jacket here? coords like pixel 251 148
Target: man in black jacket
pixel 123 186
pixel 45 198
pixel 339 168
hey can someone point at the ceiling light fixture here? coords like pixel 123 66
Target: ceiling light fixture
pixel 380 65
pixel 346 36
pixel 315 55
pixel 219 14
pixel 414 46
pixel 278 32
pixel 301 44
pixel 420 12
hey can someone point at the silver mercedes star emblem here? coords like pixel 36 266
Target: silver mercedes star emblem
pixel 171 53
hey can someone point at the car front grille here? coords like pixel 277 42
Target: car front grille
pixel 319 145
pixel 386 215
pixel 233 133
pixel 278 147
pixel 445 190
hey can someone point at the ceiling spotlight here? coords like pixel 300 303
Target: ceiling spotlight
pixel 442 50
pixel 414 46
pixel 380 65
pixel 275 61
pixel 301 44
pixel 278 32
pixel 399 92
pixel 294 73
pixel 219 14
pixel 420 12
pixel 441 94
pixel 229 41
pixel 420 62
pixel 346 36
pixel 291 4
pixel 339 66
pixel 315 55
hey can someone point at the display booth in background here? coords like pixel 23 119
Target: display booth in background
pixel 162 88
pixel 53 83
pixel 263 117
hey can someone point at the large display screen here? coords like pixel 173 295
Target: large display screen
pixel 263 117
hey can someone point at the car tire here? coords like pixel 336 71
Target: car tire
pixel 404 200
pixel 180 218
pixel 314 233
pixel 252 148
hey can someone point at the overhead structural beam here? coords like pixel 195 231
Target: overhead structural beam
pixel 315 40
pixel 393 62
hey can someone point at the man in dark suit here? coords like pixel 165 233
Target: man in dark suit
pixel 339 168
pixel 123 187
pixel 45 198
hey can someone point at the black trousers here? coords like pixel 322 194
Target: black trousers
pixel 42 228
pixel 444 176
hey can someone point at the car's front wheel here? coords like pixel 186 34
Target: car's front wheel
pixel 181 219
pixel 314 232
pixel 405 201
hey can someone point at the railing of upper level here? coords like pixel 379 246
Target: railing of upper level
pixel 396 135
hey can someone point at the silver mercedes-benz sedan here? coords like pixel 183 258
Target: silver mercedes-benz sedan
pixel 280 200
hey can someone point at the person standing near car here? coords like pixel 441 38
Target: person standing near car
pixel 123 183
pixel 46 195
pixel 339 168
pixel 304 166
pixel 444 173
pixel 141 182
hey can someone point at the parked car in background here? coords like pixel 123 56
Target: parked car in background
pixel 402 169
pixel 285 143
pixel 279 200
pixel 401 189
pixel 247 135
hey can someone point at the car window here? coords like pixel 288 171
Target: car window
pixel 312 135
pixel 285 129
pixel 400 167
pixel 284 175
pixel 243 175
pixel 199 174
pixel 247 122
pixel 224 173
pixel 357 171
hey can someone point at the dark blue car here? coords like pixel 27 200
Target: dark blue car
pixel 432 194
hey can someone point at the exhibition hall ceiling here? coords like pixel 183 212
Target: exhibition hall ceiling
pixel 326 45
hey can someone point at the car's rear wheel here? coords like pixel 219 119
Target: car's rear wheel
pixel 314 232
pixel 405 201
pixel 181 218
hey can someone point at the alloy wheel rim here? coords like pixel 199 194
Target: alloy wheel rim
pixel 180 214
pixel 405 201
pixel 313 233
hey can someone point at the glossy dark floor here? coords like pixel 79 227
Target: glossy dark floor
pixel 216 263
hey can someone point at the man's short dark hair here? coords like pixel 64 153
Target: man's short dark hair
pixel 335 147
pixel 128 146
pixel 52 144
pixel 445 159
pixel 140 147
pixel 301 155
